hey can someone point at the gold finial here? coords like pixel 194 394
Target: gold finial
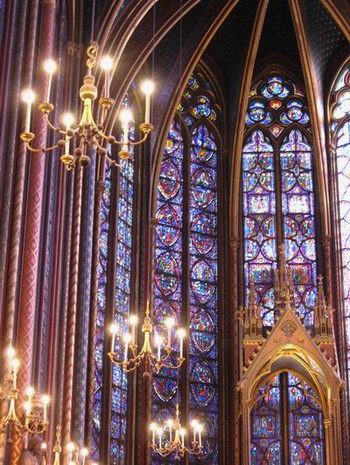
pixel 252 318
pixel 283 280
pixel 323 323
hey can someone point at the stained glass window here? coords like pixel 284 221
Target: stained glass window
pixel 123 218
pixel 300 437
pixel 340 137
pixel 186 271
pixel 278 193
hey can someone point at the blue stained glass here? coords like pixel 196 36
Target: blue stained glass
pixel 291 156
pixel 198 206
pixel 123 264
pixel 340 138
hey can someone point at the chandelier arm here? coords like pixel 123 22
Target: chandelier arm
pixel 57 128
pixel 139 142
pixel 169 365
pixel 42 149
pixel 104 136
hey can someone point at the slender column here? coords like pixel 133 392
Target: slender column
pixel 327 266
pixel 69 364
pixel 31 243
pixel 99 188
pixel 83 304
pixel 234 359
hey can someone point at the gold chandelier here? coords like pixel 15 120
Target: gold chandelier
pixel 75 454
pixel 33 416
pixel 90 132
pixel 153 362
pixel 170 438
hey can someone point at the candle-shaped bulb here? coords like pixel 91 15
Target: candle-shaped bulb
pixel 68 120
pixel 147 87
pixel 44 446
pixel 194 424
pixel 153 428
pixel 70 447
pixel 29 391
pixel 181 333
pixel 27 405
pixel 113 329
pixel 158 342
pixel 15 364
pixel 125 116
pixel 200 429
pixel 182 433
pixel 169 323
pixel 127 339
pixel 106 63
pixel 133 319
pixel 50 66
pixel 84 452
pixel 10 352
pixel 28 97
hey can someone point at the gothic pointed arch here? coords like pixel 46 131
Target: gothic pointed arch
pixel 187 245
pixel 278 192
pixel 290 388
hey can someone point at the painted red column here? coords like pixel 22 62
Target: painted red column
pixel 33 210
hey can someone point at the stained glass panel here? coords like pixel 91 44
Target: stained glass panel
pixel 298 220
pixel 259 210
pixel 305 421
pixel 265 429
pixel 124 223
pixel 340 133
pixel 302 438
pixel 277 182
pixel 186 262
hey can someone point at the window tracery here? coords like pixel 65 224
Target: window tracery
pixel 278 194
pixel 186 254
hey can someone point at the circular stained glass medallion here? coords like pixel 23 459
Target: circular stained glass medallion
pixel 167 273
pixel 202 281
pixel 202 331
pixel 169 180
pixel 202 383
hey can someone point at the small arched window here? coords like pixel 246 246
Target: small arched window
pixel 340 169
pixel 186 262
pixel 278 194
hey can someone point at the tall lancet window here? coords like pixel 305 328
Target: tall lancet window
pixel 340 140
pixel 186 263
pixel 278 193
pixel 114 298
